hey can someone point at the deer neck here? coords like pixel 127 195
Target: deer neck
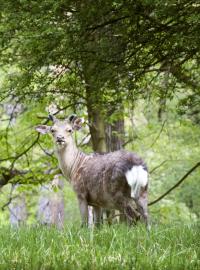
pixel 68 157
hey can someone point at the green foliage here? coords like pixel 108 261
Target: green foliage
pixel 101 42
pixel 113 56
pixel 117 247
pixel 170 149
pixel 189 106
pixel 168 211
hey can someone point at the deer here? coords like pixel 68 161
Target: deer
pixel 115 181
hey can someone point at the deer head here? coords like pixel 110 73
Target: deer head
pixel 61 131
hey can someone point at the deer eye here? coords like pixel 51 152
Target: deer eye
pixel 69 130
pixel 53 130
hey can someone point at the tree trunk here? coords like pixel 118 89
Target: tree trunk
pixel 17 209
pixel 51 203
pixel 114 141
pixel 95 116
pixel 97 130
pixel 96 120
pixel 115 135
pixel 163 96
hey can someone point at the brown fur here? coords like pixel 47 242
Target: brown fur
pixel 101 179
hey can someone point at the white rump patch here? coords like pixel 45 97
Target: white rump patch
pixel 137 177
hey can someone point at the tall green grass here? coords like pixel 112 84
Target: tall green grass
pixel 115 247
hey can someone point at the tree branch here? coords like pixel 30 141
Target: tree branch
pixel 176 185
pixel 112 21
pixel 8 174
pixel 158 136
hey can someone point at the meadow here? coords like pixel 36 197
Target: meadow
pixel 172 246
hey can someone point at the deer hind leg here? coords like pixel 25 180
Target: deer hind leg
pixel 110 216
pixel 107 216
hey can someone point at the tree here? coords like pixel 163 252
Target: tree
pixel 96 55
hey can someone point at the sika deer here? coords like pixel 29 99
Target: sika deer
pixel 116 180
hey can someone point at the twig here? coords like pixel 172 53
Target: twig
pixel 10 198
pixel 25 151
pixel 158 166
pixel 15 158
pixel 112 21
pixel 157 137
pixel 8 202
pixel 84 138
pixel 45 151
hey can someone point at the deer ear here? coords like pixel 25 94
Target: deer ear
pixel 43 129
pixel 77 124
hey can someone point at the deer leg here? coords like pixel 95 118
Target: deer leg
pixel 83 207
pixel 142 205
pixel 90 216
pixel 122 217
pixel 108 215
pixel 131 214
pixel 128 207
pixel 97 215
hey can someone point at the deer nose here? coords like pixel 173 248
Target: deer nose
pixel 60 138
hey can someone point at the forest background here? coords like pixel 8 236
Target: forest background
pixel 130 68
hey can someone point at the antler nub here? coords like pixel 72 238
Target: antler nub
pixel 72 118
pixel 52 118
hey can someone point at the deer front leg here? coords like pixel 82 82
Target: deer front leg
pixel 90 216
pixel 131 214
pixel 83 207
pixel 127 207
pixel 97 215
pixel 142 206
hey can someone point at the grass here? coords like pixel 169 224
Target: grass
pixel 115 247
